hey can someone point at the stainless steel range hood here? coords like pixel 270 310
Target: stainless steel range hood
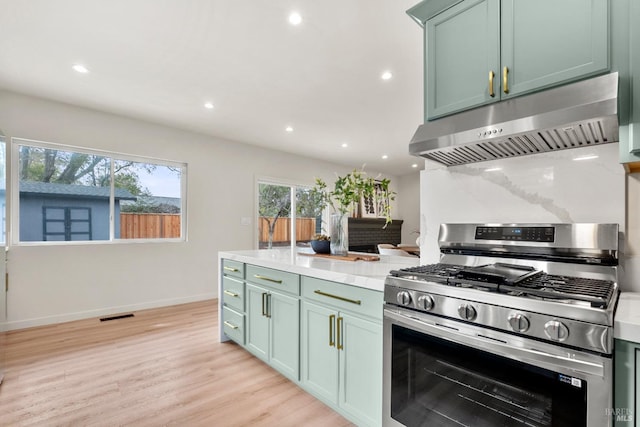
pixel 576 115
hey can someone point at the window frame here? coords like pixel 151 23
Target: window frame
pixel 14 184
pixel 293 187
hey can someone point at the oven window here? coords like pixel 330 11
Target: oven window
pixel 438 383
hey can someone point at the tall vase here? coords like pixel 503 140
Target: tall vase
pixel 339 234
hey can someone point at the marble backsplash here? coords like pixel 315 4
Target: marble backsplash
pixel 542 188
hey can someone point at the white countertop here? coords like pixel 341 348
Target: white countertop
pixel 627 319
pixel 364 274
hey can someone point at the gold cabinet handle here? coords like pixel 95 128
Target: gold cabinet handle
pixel 235 270
pixel 268 279
pixel 332 342
pixel 324 294
pixel 264 303
pixel 339 328
pixel 491 76
pixel 231 325
pixel 231 294
pixel 505 79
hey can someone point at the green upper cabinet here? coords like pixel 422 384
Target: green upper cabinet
pixel 481 51
pixel 548 42
pixel 461 50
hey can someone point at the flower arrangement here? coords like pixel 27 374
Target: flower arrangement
pixel 348 191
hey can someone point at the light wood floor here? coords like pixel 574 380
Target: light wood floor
pixel 162 367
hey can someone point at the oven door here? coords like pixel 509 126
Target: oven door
pixel 441 372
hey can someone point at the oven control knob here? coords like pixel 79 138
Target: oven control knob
pixel 404 298
pixel 467 312
pixel 425 302
pixel 519 322
pixel 556 331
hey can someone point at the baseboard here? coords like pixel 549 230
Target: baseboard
pixel 68 317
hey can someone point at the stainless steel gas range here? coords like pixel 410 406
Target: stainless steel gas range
pixel 514 327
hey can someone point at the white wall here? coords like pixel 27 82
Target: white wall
pixel 543 188
pixel 53 284
pixel 408 199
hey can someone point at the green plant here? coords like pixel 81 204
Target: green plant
pixel 320 237
pixel 349 190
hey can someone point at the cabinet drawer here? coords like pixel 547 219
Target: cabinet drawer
pixel 274 279
pixel 344 297
pixel 233 293
pixel 233 268
pixel 233 325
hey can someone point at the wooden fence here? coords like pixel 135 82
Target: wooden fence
pixel 149 225
pixel 154 226
pixel 305 228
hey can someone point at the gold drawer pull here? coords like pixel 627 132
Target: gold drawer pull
pixel 268 279
pixel 231 325
pixel 231 294
pixel 324 294
pixel 235 270
pixel 505 79
pixel 340 346
pixel 491 76
pixel 332 341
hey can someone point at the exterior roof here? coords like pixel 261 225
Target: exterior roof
pixel 48 188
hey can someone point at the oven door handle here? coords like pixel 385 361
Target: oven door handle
pixel 496 342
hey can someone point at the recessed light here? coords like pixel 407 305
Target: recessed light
pixel 345 145
pixel 80 68
pixel 386 75
pixel 295 18
pixel 590 157
pixel 288 129
pixel 208 105
pixel 385 157
pixel 493 169
pixel 415 165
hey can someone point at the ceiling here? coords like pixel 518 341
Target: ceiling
pixel 162 60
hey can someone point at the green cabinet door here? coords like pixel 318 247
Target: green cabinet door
pixel 257 329
pixel 284 345
pixel 318 352
pixel 462 48
pixel 626 383
pixel 360 369
pixel 548 42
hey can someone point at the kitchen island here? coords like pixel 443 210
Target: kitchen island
pixel 318 321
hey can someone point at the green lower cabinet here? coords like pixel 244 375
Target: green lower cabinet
pixel 273 332
pixel 342 362
pixel 361 369
pixel 627 383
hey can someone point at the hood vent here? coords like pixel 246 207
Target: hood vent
pixel 576 115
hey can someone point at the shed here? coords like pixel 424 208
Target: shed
pixel 61 212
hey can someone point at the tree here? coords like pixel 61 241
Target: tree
pixel 274 202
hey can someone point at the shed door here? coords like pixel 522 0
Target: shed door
pixel 66 223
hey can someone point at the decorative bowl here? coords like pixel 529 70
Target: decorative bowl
pixel 321 246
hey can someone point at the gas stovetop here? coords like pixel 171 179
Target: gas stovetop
pixel 552 282
pixel 523 282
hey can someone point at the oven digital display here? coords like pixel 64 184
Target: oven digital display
pixel 523 234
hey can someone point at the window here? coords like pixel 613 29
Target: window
pixel 83 195
pixel 288 215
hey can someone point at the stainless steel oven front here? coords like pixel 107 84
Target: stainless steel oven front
pixel 444 372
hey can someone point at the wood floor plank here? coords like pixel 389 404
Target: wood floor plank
pixel 163 366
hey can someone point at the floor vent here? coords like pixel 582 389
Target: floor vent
pixel 120 316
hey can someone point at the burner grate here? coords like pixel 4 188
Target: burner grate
pixel 596 292
pixel 433 272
